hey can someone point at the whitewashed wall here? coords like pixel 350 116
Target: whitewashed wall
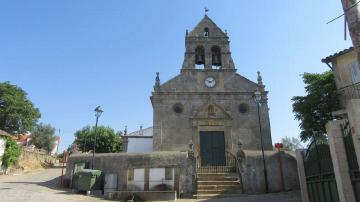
pixel 139 180
pixel 157 176
pixel 2 149
pixel 139 145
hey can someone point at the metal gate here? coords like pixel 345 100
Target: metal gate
pixel 320 178
pixel 351 158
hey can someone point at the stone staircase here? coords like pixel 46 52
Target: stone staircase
pixel 212 184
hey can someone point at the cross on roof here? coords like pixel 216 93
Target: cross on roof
pixel 206 10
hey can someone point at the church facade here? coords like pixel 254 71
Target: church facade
pixel 208 105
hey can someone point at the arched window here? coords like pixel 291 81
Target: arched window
pixel 216 56
pixel 200 56
pixel 206 32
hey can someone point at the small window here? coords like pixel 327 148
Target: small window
pixel 131 174
pixel 206 32
pixel 168 173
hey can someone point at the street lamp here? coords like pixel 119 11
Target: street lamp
pixel 257 99
pixel 98 112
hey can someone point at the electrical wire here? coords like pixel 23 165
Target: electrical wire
pixel 355 4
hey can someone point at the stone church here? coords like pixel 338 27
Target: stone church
pixel 208 104
pixel 205 134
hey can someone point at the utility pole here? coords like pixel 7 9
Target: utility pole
pixel 352 16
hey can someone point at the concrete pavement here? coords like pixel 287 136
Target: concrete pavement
pixel 42 186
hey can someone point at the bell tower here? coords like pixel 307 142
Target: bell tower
pixel 207 47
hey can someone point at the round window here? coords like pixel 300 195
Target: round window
pixel 178 108
pixel 243 108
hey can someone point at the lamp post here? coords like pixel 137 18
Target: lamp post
pixel 98 112
pixel 257 99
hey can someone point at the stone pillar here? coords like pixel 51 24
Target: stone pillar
pixel 302 175
pixel 339 159
pixel 146 179
pixel 353 111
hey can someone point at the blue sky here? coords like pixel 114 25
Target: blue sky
pixel 70 56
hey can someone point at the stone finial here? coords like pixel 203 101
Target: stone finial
pixel 226 32
pixel 259 78
pixel 240 155
pixel 157 82
pixel 261 87
pixel 191 145
pixel 239 145
pixel 187 33
pixel 191 154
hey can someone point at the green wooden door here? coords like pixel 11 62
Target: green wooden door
pixel 212 148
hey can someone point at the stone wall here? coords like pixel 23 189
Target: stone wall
pixel 253 172
pixel 33 159
pixel 119 163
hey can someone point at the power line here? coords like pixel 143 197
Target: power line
pixel 355 4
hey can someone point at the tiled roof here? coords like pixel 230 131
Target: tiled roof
pixel 328 58
pixel 143 132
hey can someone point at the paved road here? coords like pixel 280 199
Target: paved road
pixel 39 186
pixel 42 186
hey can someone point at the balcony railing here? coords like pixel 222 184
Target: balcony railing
pixel 348 92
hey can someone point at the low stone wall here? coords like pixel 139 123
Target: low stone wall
pixel 253 172
pixel 32 159
pixel 120 163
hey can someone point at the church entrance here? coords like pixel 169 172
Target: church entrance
pixel 212 148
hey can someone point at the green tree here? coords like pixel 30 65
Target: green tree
pixel 107 140
pixel 11 154
pixel 17 112
pixel 291 144
pixel 43 137
pixel 314 109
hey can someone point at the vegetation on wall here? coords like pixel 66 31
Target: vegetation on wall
pixel 314 109
pixel 12 153
pixel 107 140
pixel 17 112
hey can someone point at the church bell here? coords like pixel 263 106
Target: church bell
pixel 216 60
pixel 199 59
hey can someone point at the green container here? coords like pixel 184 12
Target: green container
pixel 89 180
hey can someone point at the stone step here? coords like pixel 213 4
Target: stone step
pixel 215 169
pixel 218 183
pixel 217 178
pixel 202 192
pixel 219 187
pixel 207 196
pixel 199 175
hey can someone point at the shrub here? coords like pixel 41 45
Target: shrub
pixel 12 153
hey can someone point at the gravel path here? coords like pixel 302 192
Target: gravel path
pixel 42 186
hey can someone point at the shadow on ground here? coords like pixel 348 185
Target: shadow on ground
pixel 53 184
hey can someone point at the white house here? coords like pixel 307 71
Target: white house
pixel 139 141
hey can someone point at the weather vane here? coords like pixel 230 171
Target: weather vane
pixel 206 10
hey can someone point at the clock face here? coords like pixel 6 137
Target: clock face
pixel 210 82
